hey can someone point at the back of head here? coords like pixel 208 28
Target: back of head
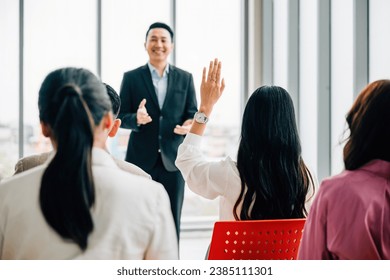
pixel 369 125
pixel 269 120
pixel 269 158
pixel 71 103
pixel 160 25
pixel 115 99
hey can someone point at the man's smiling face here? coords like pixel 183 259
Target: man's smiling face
pixel 158 45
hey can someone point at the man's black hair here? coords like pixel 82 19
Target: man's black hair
pixel 115 99
pixel 160 25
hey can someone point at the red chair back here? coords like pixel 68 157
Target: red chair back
pixel 256 239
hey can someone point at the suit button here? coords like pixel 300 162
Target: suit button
pixel 159 137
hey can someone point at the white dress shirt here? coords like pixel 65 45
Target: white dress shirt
pixel 132 218
pixel 160 84
pixel 213 179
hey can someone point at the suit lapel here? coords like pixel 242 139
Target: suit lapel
pixel 171 84
pixel 149 84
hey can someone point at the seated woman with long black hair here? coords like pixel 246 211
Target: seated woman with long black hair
pixel 270 179
pixel 79 204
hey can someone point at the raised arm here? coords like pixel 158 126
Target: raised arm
pixel 210 91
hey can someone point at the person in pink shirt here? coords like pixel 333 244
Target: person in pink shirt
pixel 350 216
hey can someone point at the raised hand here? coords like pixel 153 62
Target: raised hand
pixel 210 91
pixel 212 87
pixel 142 114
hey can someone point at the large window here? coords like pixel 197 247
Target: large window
pixel 341 77
pixel 9 81
pixel 124 26
pixel 379 67
pixel 57 34
pixel 217 34
pixel 280 25
pixel 308 81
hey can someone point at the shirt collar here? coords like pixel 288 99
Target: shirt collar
pixel 102 157
pixel 99 157
pixel 153 69
pixel 379 167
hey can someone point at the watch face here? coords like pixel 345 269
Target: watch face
pixel 200 117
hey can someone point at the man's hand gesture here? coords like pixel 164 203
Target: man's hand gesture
pixel 142 114
pixel 184 128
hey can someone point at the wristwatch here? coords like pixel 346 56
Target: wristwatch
pixel 200 117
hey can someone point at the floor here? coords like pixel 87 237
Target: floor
pixel 194 245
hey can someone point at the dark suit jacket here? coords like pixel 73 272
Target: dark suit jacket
pixel 179 105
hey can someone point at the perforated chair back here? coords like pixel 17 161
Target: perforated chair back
pixel 256 239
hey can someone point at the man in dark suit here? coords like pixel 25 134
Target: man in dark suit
pixel 158 102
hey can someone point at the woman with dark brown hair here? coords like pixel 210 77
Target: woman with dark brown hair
pixel 350 217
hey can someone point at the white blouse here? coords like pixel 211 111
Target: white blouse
pixel 213 179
